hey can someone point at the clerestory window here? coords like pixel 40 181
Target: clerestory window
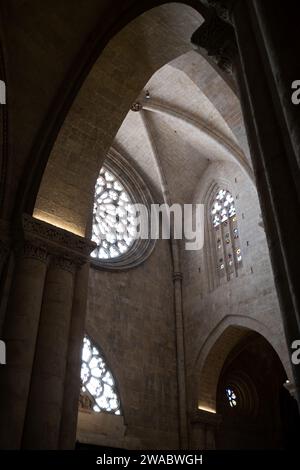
pixel 226 234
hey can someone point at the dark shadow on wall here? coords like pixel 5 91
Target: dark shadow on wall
pixel 263 414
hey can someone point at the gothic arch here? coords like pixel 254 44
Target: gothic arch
pixel 99 104
pixel 70 87
pixel 224 337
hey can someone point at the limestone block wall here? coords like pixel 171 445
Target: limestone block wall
pixel 130 316
pixel 249 299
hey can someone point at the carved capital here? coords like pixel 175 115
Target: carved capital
pixel 218 39
pixel 56 241
pixel 32 250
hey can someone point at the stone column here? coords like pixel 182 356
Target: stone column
pixel 68 425
pixel 211 437
pixel 19 332
pixel 41 430
pixel 178 308
pixel 203 429
pixel 66 252
pixel 180 349
pixel 272 127
pixel 198 437
pixel 281 36
pixel 274 161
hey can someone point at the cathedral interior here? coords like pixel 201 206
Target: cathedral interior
pixel 115 341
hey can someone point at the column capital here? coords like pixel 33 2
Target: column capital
pixel 38 237
pixel 30 249
pixel 202 417
pixel 217 38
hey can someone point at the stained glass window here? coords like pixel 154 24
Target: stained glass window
pixel 224 222
pixel 223 207
pixel 114 222
pixel 231 396
pixel 97 381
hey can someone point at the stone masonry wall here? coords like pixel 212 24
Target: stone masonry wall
pixel 130 316
pixel 250 297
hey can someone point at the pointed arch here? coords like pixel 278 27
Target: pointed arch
pixel 224 337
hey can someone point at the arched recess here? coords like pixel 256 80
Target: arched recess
pixel 103 102
pixel 106 23
pixel 117 77
pixel 66 40
pixel 212 356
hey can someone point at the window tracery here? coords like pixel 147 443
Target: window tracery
pixel 232 397
pixel 114 222
pixel 224 221
pixel 98 386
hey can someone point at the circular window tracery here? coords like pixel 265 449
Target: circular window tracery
pixel 232 397
pixel 119 193
pixel 114 221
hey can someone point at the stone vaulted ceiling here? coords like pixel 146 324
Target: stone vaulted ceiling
pixel 180 129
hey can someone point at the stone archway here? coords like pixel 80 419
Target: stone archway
pixel 224 340
pixel 256 409
pixel 225 336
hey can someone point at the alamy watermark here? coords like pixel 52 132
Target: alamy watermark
pixel 296 94
pixel 177 222
pixel 2 92
pixel 2 353
pixel 296 354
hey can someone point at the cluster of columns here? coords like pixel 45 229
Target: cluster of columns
pixel 43 330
